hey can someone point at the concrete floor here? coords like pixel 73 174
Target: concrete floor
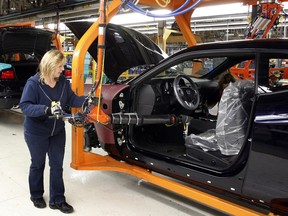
pixel 94 193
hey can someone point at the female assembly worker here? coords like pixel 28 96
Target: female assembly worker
pixel 45 94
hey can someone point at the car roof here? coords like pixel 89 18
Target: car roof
pixel 280 44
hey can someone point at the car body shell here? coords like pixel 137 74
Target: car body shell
pixel 149 128
pixel 255 176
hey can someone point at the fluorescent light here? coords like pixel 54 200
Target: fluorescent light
pixel 62 26
pixel 132 18
pixel 225 9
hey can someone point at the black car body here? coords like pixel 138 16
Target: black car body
pixel 163 120
pixel 21 49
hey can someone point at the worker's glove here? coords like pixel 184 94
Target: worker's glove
pixel 55 109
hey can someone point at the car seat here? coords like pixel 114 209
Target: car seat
pixel 232 122
pixel 233 116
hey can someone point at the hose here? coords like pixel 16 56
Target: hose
pixel 176 12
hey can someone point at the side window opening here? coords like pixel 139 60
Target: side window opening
pixel 277 79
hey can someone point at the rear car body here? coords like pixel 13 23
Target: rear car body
pixel 21 49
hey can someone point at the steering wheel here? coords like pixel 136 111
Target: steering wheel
pixel 186 93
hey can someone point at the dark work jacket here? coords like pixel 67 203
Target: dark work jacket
pixel 37 96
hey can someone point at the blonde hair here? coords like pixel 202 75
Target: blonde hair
pixel 49 62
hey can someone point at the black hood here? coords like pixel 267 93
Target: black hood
pixel 125 48
pixel 25 39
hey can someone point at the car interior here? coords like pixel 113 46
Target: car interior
pixel 217 128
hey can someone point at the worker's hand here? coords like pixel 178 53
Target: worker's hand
pixel 55 109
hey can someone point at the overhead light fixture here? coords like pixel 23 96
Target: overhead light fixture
pixel 225 9
pixel 62 26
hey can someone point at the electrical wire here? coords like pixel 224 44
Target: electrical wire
pixel 285 13
pixel 147 48
pixel 122 9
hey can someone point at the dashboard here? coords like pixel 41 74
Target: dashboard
pixel 157 96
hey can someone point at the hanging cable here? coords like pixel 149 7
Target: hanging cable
pixel 94 96
pixel 124 10
pixel 176 12
pixel 147 13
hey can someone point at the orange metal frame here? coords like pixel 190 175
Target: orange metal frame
pixel 270 11
pixel 27 24
pixel 90 161
pixel 267 10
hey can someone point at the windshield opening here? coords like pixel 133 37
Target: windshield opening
pixel 197 67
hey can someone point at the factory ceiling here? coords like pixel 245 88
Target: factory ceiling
pixel 52 11
pixel 46 11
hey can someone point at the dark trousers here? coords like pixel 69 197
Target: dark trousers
pixel 54 147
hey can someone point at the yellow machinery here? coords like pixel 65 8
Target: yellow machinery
pixel 90 161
